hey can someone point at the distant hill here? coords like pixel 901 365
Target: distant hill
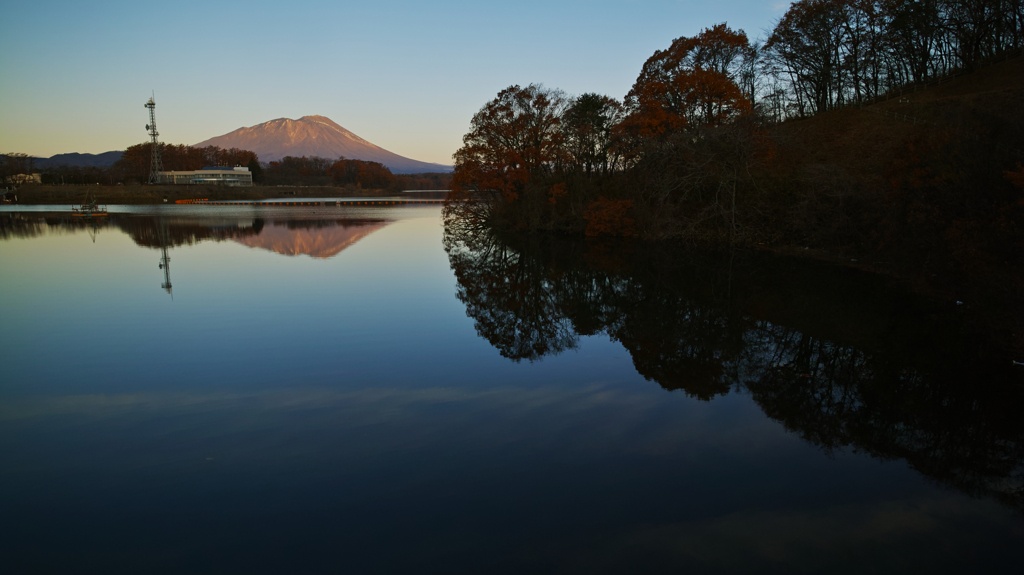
pixel 315 136
pixel 104 160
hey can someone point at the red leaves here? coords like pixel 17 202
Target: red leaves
pixel 689 85
pixel 1016 177
pixel 557 191
pixel 607 216
pixel 513 139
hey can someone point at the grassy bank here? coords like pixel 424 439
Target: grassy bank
pixel 66 195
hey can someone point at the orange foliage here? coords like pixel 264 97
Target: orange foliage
pixel 1016 177
pixel 608 217
pixel 686 86
pixel 512 139
pixel 690 98
pixel 557 191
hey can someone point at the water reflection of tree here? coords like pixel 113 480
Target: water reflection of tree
pixel 511 299
pixel 145 231
pixel 530 303
pixel 20 225
pixel 678 342
pixel 956 421
pixel 151 232
pixel 841 358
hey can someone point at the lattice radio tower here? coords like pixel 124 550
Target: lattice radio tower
pixel 155 165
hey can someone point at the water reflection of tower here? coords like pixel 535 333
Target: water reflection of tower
pixel 165 260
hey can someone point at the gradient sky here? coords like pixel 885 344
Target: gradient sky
pixel 405 75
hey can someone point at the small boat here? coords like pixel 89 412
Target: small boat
pixel 89 209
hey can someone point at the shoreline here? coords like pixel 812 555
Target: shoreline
pixel 989 297
pixel 145 194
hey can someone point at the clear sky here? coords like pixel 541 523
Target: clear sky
pixel 405 75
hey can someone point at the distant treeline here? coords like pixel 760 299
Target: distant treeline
pixel 134 167
pixel 316 171
pixel 13 165
pixel 135 163
pixel 695 150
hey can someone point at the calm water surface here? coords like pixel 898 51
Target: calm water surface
pixel 221 389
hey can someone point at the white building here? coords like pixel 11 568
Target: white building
pixel 21 179
pixel 237 176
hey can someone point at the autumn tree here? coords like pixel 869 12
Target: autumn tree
pixel 690 84
pixel 587 131
pixel 718 48
pixel 134 162
pixel 515 143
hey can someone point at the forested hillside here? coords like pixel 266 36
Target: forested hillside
pixel 858 127
pixel 890 133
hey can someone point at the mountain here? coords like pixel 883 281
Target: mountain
pixel 104 160
pixel 315 136
pixel 317 239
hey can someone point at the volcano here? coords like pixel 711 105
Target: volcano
pixel 315 136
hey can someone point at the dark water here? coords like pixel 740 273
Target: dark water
pixel 352 390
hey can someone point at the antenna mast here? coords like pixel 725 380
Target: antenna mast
pixel 155 165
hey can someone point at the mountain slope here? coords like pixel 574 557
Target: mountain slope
pixel 315 136
pixel 104 160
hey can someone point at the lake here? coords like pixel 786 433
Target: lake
pixel 352 389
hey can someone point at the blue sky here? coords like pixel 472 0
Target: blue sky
pixel 406 75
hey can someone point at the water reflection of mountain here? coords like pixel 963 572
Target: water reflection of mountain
pixel 840 357
pixel 316 238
